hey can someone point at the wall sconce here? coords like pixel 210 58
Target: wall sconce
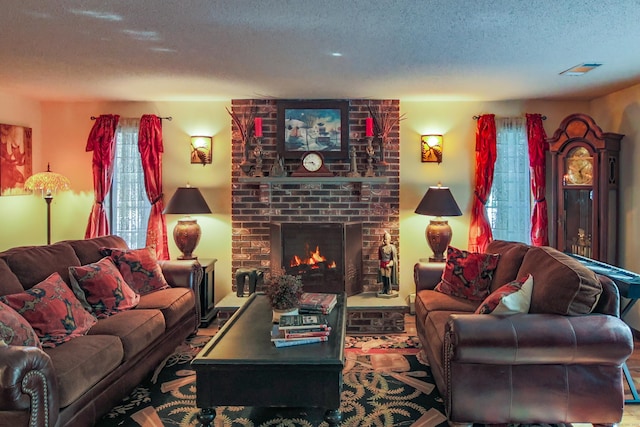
pixel 431 148
pixel 201 150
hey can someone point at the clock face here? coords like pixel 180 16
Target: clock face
pixel 312 162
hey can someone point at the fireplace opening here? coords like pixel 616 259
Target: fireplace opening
pixel 327 256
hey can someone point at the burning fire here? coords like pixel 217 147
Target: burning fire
pixel 313 260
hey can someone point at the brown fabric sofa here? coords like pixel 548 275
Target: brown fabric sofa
pixel 559 363
pixel 77 382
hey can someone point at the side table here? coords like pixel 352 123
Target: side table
pixel 207 289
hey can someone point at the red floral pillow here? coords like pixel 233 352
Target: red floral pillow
pixel 103 287
pixel 467 274
pixel 14 329
pixel 139 268
pixel 514 297
pixel 52 310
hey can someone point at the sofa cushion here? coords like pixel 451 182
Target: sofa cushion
pixel 438 301
pixel 102 287
pixel 9 283
pixel 83 362
pixel 88 250
pixel 52 310
pixel 137 329
pixel 512 298
pixel 467 274
pixel 33 264
pixel 15 330
pixel 511 255
pixel 139 267
pixel 174 303
pixel 563 285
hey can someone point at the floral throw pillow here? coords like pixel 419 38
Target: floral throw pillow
pixel 512 298
pixel 14 329
pixel 103 288
pixel 467 274
pixel 52 310
pixel 139 268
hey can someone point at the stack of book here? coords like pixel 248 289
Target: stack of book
pixel 300 329
pixel 315 302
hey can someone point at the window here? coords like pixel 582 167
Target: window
pixel 509 204
pixel 127 204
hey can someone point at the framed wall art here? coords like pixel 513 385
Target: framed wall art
pixel 321 125
pixel 15 159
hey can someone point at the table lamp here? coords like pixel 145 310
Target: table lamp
pixel 438 201
pixel 187 201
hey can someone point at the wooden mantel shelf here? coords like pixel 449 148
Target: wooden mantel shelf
pixel 364 183
pixel 297 180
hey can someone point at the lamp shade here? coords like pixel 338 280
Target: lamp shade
pixel 438 201
pixel 48 182
pixel 187 201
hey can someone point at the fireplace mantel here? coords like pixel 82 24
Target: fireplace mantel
pixel 363 183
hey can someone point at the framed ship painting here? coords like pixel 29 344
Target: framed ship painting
pixel 321 125
pixel 15 159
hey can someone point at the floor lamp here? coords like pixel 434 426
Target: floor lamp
pixel 48 183
pixel 187 201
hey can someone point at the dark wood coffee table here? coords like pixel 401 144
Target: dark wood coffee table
pixel 241 367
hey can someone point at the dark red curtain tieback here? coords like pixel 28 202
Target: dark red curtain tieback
pixel 157 199
pixel 483 201
pixel 541 200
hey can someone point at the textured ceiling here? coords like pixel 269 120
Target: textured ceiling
pixel 411 50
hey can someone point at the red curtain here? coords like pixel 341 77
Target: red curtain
pixel 102 141
pixel 151 148
pixel 538 147
pixel 480 230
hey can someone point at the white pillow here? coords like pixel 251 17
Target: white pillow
pixel 517 302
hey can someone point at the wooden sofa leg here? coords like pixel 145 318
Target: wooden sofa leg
pixel 605 425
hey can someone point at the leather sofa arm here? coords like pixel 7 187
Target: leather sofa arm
pixel 537 339
pixel 182 273
pixel 426 275
pixel 28 383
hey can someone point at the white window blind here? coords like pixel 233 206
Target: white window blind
pixel 509 204
pixel 128 207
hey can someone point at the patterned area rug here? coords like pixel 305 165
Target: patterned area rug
pixel 387 382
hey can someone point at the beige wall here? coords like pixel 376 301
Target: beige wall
pixel 61 129
pixel 620 112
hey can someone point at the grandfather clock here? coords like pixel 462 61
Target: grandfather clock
pixel 584 177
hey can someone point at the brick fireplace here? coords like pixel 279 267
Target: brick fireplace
pixel 260 202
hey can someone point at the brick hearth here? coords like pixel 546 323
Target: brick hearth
pixel 366 313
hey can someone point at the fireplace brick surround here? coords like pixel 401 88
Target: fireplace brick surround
pixel 257 202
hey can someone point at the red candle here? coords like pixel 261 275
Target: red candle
pixel 257 122
pixel 369 126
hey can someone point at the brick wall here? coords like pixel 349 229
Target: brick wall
pixel 257 203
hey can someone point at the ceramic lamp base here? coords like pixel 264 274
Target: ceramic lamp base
pixel 186 234
pixel 438 234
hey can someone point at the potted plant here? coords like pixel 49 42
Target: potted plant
pixel 284 291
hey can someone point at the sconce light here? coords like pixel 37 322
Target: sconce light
pixel 201 150
pixel 431 148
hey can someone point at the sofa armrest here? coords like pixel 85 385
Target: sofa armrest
pixel 537 339
pixel 28 383
pixel 182 273
pixel 426 275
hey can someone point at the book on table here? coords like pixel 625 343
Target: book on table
pixel 279 338
pixel 317 302
pixel 303 321
pixel 297 333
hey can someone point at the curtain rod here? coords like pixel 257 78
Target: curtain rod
pixel 161 118
pixel 477 117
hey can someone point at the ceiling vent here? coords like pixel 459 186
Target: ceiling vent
pixel 579 70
